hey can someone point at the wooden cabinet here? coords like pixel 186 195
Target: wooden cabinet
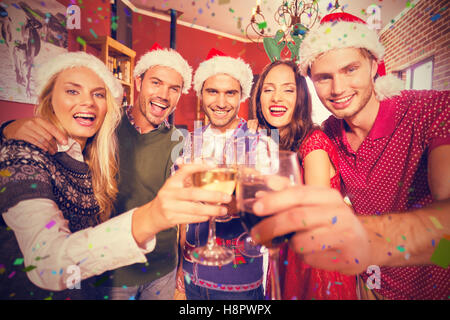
pixel 114 54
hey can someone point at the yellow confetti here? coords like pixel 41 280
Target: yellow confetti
pixel 436 223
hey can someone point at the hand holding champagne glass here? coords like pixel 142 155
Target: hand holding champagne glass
pixel 221 178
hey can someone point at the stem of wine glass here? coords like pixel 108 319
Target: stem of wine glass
pixel 212 233
pixel 275 291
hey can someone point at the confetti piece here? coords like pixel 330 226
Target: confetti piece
pixel 333 220
pixel 187 278
pixel 93 33
pixel 81 41
pixel 5 173
pixel 50 224
pixel 11 275
pixel 101 281
pixel 231 10
pixel 357 261
pixel 435 17
pixel 262 25
pixel 18 261
pixel 436 223
pixel 401 248
pixel 441 255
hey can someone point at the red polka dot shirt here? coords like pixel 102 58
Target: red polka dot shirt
pixel 388 173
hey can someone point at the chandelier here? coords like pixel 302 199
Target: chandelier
pixel 294 17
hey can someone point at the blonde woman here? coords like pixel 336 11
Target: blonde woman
pixel 57 205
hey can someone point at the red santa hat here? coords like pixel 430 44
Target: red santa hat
pixel 343 30
pixel 78 59
pixel 218 62
pixel 157 56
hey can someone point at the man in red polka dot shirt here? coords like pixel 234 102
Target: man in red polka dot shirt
pixel 394 148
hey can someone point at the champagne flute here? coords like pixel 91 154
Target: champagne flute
pixel 274 173
pixel 221 178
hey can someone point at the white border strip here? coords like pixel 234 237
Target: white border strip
pixel 184 23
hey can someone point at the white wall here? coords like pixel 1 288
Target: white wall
pixel 319 112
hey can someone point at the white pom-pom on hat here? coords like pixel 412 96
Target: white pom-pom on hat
pixel 343 30
pixel 78 59
pixel 218 63
pixel 157 56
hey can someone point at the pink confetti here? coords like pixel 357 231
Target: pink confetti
pixel 50 224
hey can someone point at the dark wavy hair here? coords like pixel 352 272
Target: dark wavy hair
pixel 301 124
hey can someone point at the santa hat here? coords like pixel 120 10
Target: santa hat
pixel 157 56
pixel 343 30
pixel 217 62
pixel 78 59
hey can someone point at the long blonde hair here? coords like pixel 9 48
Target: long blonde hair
pixel 100 152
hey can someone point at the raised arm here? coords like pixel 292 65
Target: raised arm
pixel 37 131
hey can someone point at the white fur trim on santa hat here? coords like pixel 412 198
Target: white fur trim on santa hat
pixel 234 67
pixel 166 58
pixel 388 86
pixel 337 35
pixel 78 59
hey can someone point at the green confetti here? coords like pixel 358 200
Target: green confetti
pixel 29 268
pixel 231 10
pixel 18 261
pixel 401 248
pixel 81 41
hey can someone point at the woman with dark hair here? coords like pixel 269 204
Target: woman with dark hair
pixel 282 102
